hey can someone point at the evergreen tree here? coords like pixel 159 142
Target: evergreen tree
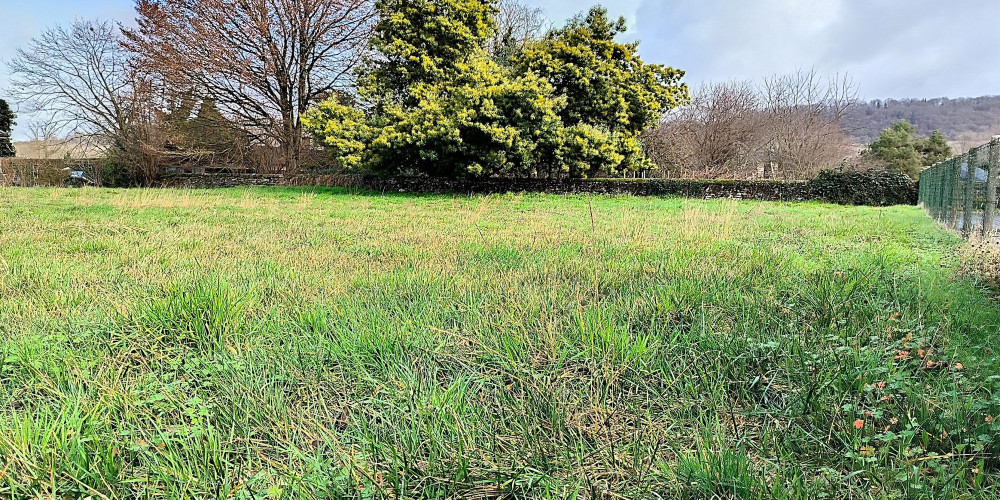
pixel 608 89
pixel 935 149
pixel 438 104
pixel 7 123
pixel 903 151
pixel 425 42
pixel 206 130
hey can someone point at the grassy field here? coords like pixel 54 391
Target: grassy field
pixel 288 343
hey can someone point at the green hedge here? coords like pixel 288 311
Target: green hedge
pixel 848 188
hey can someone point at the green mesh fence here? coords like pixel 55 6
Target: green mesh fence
pixel 962 192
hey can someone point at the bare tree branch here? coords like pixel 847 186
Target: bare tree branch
pixel 79 78
pixel 517 24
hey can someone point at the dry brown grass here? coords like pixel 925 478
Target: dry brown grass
pixel 981 261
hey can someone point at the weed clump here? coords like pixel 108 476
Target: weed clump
pixel 981 261
pixel 202 316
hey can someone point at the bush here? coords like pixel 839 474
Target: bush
pixel 980 261
pixel 114 174
pixel 877 188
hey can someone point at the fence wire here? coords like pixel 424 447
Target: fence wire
pixel 962 192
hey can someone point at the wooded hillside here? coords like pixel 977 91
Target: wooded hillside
pixel 963 119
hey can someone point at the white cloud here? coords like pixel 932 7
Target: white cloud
pixel 893 48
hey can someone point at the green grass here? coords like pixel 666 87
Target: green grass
pixel 288 343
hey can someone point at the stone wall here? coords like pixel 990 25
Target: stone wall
pixel 843 188
pixel 214 181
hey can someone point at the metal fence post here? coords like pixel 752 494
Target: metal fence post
pixel 989 213
pixel 939 214
pixel 921 191
pixel 968 192
pixel 954 186
pixel 939 187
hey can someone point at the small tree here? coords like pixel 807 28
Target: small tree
pixel 802 122
pixel 935 149
pixel 902 150
pixel 7 123
pixel 720 134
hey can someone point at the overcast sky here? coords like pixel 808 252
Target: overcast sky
pixel 892 48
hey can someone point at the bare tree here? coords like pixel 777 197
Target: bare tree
pixel 43 130
pixel 44 136
pixel 717 135
pixel 517 24
pixel 804 115
pixel 80 79
pixel 790 126
pixel 262 62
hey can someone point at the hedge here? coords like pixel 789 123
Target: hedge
pixel 867 187
pixel 874 188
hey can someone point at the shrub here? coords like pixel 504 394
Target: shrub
pixel 341 129
pixel 980 261
pixel 112 173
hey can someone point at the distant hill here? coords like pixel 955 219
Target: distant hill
pixel 51 149
pixel 965 122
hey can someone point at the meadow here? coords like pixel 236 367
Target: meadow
pixel 315 343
